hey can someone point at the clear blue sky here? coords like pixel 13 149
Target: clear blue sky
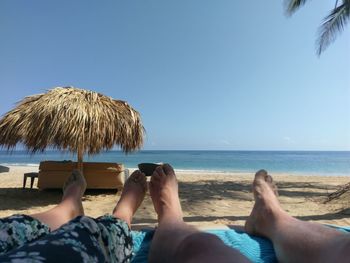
pixel 204 74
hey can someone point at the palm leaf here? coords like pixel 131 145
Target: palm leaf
pixel 332 25
pixel 294 5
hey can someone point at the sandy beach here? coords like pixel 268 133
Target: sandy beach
pixel 207 199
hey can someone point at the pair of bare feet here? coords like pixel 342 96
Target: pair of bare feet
pixel 163 188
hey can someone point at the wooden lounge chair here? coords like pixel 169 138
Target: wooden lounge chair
pixel 53 174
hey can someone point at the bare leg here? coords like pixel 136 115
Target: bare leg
pixel 70 206
pixel 132 196
pixel 294 240
pixel 174 240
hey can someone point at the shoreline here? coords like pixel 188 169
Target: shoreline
pixel 200 171
pixel 207 198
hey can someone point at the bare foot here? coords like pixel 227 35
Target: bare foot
pixel 75 182
pixel 164 193
pixel 73 191
pixel 132 196
pixel 266 208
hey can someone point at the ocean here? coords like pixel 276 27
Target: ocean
pixel 292 162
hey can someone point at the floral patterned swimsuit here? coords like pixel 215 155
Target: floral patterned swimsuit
pixel 83 239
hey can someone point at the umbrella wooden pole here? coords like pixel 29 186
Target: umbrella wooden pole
pixel 80 158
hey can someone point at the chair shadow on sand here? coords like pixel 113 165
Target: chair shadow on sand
pixel 4 169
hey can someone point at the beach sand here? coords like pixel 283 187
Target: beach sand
pixel 208 199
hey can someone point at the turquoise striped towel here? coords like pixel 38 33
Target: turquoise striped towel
pixel 257 249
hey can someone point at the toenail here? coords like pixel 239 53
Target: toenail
pixel 135 180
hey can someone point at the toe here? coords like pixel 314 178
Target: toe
pixel 160 171
pixel 261 174
pixel 141 177
pixel 155 176
pixel 136 176
pixel 269 179
pixel 168 169
pixel 272 184
pixel 135 173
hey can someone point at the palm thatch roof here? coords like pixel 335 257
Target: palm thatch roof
pixel 77 120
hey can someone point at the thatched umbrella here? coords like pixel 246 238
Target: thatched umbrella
pixel 72 119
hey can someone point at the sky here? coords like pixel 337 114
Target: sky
pixel 204 74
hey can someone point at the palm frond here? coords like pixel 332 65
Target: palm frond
pixel 333 24
pixel 293 5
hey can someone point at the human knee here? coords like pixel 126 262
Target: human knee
pixel 200 239
pixel 195 244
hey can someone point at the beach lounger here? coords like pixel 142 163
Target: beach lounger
pixel 53 174
pixel 256 249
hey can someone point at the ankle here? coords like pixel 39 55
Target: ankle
pixel 275 222
pixel 169 215
pixel 123 212
pixel 73 192
pixel 71 199
pixel 122 215
pixel 73 209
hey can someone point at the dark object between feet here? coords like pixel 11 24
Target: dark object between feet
pixel 148 168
